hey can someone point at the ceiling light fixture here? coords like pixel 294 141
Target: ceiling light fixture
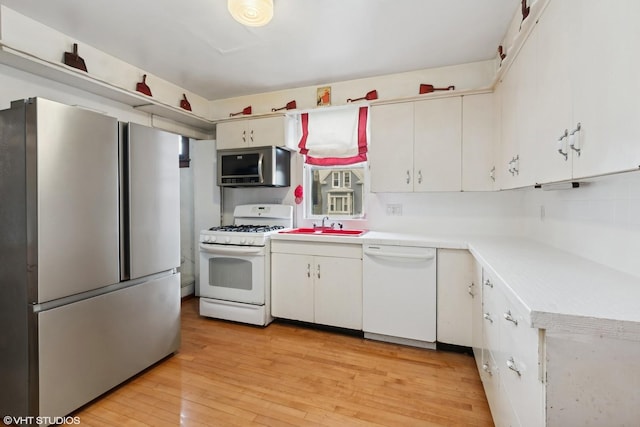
pixel 253 13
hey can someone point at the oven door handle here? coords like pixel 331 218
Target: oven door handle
pixel 230 250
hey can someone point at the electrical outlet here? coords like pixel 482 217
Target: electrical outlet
pixel 394 210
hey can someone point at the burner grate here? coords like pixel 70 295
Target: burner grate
pixel 247 228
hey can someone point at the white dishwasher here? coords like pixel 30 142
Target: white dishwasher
pixel 399 294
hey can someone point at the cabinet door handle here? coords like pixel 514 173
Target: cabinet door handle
pixel 308 270
pixel 511 364
pixel 487 369
pixel 572 139
pixel 251 135
pixel 492 174
pixel 470 290
pixel 488 283
pixel 487 316
pixel 408 177
pixel 244 136
pixel 565 135
pixel 419 177
pixel 516 164
pixel 318 271
pixel 508 316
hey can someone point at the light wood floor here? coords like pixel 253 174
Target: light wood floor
pixel 228 374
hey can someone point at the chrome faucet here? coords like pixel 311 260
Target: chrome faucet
pixel 322 226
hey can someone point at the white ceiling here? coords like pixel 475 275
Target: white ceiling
pixel 196 44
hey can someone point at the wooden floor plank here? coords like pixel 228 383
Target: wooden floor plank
pixel 229 374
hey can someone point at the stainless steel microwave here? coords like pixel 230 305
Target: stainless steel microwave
pixel 254 167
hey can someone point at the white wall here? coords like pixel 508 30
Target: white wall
pixel 17 84
pixel 187 252
pixel 599 221
pixel 27 35
pixel 461 213
pixel 392 86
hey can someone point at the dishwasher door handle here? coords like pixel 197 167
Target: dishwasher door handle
pixel 407 256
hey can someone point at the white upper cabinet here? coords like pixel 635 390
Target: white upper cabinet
pixel 391 150
pixel 606 83
pixel 258 132
pixel 437 150
pixel 554 43
pixel 478 142
pixel 587 100
pixel 518 121
pixel 416 146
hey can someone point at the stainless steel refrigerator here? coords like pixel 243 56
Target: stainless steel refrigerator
pixel 89 247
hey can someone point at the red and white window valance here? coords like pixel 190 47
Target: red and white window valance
pixel 334 137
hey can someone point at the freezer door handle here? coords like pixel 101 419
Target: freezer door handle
pixel 400 255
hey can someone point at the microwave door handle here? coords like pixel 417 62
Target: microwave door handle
pixel 260 166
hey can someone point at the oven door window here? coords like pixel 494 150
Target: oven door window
pixel 238 279
pixel 230 273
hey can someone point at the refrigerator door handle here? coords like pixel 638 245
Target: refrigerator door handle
pixel 123 155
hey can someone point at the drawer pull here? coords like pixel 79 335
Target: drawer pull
pixel 508 316
pixel 470 291
pixel 308 270
pixel 488 283
pixel 511 364
pixel 487 316
pixel 485 367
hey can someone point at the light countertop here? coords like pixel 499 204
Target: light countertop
pixel 563 291
pixel 380 238
pixel 560 291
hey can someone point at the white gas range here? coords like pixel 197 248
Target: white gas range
pixel 235 275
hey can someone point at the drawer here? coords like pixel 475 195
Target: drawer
pixel 339 250
pixel 518 361
pixel 502 411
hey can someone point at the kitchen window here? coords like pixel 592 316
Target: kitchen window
pixel 183 155
pixel 336 191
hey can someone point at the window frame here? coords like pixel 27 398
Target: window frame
pixel 308 171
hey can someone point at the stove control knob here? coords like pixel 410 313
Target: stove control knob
pixel 212 239
pixel 243 241
pixel 227 240
pixel 251 241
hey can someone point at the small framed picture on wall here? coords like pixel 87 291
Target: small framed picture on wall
pixel 324 96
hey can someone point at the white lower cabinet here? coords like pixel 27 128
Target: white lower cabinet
pixel 556 378
pixel 317 283
pixel 511 367
pixel 456 295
